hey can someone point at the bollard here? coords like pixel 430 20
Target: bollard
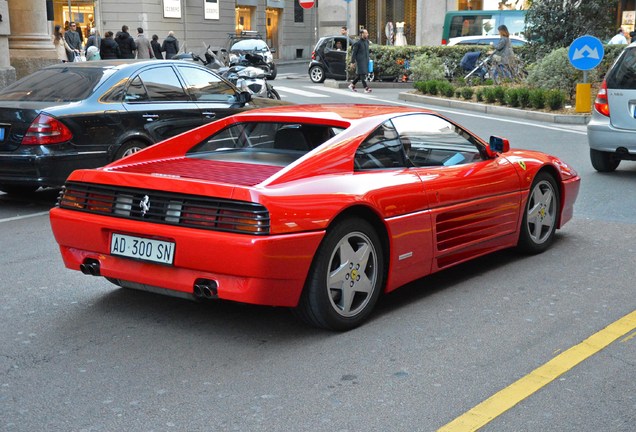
pixel 583 97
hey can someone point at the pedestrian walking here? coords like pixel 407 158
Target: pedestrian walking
pixel 156 47
pixel 61 47
pixel 144 50
pixel 126 43
pixel 109 49
pixel 95 39
pixel 73 40
pixel 360 59
pixel 170 45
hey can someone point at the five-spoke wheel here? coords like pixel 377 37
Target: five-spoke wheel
pixel 541 215
pixel 346 277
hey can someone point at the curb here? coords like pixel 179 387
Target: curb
pixel 497 110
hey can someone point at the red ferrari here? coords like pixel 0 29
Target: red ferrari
pixel 320 208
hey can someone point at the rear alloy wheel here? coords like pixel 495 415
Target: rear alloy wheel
pixel 316 74
pixel 604 161
pixel 540 215
pixel 129 148
pixel 345 279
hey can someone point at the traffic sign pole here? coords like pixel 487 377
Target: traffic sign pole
pixel 585 53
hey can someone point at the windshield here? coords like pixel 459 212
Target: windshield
pixel 250 45
pixel 59 84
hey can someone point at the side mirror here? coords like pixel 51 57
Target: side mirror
pixel 243 97
pixel 499 144
pixel 272 50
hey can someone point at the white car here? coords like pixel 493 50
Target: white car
pixel 484 40
pixel 611 132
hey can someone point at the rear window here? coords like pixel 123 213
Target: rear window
pixel 623 74
pixel 249 45
pixel 66 84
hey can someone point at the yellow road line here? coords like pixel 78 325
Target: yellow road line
pixel 505 399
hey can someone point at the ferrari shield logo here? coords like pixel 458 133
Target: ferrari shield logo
pixel 522 164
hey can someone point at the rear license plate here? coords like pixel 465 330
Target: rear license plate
pixel 142 248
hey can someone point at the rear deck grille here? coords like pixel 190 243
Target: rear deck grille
pixel 183 210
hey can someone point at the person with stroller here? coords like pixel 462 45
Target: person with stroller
pixel 503 55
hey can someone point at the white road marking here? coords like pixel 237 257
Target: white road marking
pixel 299 92
pixel 24 216
pixel 357 94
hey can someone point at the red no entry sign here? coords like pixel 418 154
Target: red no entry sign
pixel 306 4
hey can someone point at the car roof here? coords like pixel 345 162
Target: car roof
pixel 339 112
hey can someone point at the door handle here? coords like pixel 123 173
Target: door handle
pixel 209 114
pixel 150 116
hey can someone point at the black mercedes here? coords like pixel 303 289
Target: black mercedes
pixel 85 115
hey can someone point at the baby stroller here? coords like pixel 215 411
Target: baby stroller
pixel 476 69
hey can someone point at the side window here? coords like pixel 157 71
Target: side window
pixel 205 86
pixel 162 85
pixel 623 74
pixel 381 149
pixel 433 141
pixel 136 91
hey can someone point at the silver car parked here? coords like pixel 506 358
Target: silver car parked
pixel 611 132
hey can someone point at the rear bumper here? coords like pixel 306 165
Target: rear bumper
pixel 267 270
pixel 46 169
pixel 602 136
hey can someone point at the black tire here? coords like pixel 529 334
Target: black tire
pixel 351 256
pixel 316 74
pixel 18 189
pixel 603 161
pixel 272 93
pixel 272 72
pixel 540 215
pixel 128 148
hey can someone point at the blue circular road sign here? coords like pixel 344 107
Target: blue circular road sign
pixel 586 52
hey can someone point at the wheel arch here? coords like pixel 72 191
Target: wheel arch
pixel 369 215
pixel 126 139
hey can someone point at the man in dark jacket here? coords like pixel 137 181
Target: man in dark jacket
pixel 126 43
pixel 360 58
pixel 73 40
pixel 108 48
pixel 170 45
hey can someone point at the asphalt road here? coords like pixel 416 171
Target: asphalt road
pixel 79 354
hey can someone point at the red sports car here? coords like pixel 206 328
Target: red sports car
pixel 320 208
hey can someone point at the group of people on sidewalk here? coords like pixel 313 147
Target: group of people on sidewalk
pixel 68 45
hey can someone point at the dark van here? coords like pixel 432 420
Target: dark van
pixel 482 23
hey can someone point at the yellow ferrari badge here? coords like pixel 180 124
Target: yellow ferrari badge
pixel 522 164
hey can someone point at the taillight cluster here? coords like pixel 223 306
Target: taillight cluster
pixel 313 55
pixel 600 103
pixel 46 130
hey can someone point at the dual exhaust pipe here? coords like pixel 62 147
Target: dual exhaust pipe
pixel 206 289
pixel 90 266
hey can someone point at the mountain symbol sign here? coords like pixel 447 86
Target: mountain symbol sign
pixel 586 52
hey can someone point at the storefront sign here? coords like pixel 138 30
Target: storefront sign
pixel 172 8
pixel 211 9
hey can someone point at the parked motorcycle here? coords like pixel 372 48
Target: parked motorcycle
pixel 248 74
pixel 209 59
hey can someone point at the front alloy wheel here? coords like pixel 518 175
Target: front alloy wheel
pixel 316 74
pixel 541 215
pixel 345 279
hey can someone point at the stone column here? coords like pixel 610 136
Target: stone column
pixel 7 72
pixel 30 44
